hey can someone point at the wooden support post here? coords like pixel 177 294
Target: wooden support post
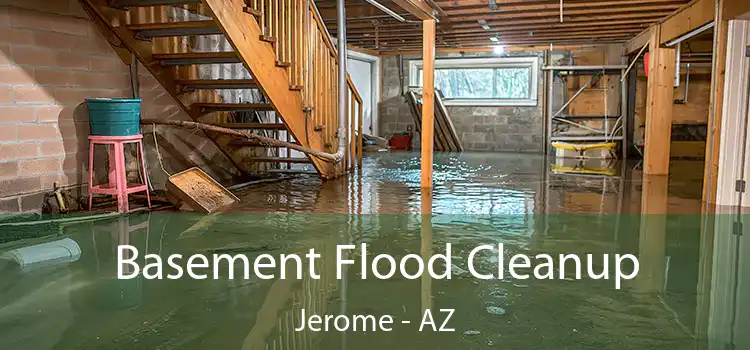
pixel 652 237
pixel 659 105
pixel 716 112
pixel 428 100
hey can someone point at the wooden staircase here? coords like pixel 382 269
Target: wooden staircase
pixel 268 66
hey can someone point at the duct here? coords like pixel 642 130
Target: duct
pixel 388 11
pixel 690 35
pixel 341 33
pixel 678 56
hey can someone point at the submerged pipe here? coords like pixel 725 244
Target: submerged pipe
pixel 341 31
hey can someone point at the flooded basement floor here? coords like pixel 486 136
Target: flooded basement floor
pixel 687 294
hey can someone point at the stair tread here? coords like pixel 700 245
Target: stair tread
pixel 172 25
pixel 174 29
pixel 185 58
pixel 218 83
pixel 234 106
pixel 252 126
pixel 146 3
pixel 281 159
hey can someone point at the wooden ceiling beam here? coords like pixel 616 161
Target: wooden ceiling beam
pixel 593 30
pixel 508 41
pixel 418 8
pixel 532 27
pixel 620 5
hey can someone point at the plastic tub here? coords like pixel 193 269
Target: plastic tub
pixel 114 116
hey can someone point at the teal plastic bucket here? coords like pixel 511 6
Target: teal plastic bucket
pixel 114 116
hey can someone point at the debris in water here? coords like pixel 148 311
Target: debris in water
pixel 495 310
pixel 499 293
pixel 458 271
pixel 471 332
pixel 520 285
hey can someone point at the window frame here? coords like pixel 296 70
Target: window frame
pixel 493 62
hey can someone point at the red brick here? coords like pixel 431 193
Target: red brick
pixel 55 77
pixel 15 76
pixel 92 44
pixel 55 23
pixel 12 114
pixel 16 36
pixel 52 148
pixel 37 131
pixel 70 96
pixel 71 130
pixel 5 57
pixel 73 162
pixel 40 165
pixel 33 57
pixel 107 64
pixel 33 95
pixel 52 113
pixel 12 151
pixel 4 18
pixel 6 94
pixel 10 133
pixel 8 170
pixel 72 60
pixel 51 40
pixel 70 25
pixel 16 186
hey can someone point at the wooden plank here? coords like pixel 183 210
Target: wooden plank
pixel 455 140
pixel 428 100
pixel 212 106
pixel 659 106
pixel 640 40
pixel 713 137
pixel 688 18
pixel 418 8
pixel 259 57
pixel 218 83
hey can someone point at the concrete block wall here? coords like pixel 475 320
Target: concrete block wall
pixel 481 128
pixel 52 58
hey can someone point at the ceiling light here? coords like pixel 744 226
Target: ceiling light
pixel 498 49
pixel 493 39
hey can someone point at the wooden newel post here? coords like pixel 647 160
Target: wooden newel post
pixel 428 99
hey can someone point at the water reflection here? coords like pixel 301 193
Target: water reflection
pixel 688 292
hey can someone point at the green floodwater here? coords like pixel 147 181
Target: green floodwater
pixel 691 291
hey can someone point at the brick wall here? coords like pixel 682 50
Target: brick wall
pixel 52 58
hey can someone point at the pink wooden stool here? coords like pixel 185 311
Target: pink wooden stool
pixel 118 183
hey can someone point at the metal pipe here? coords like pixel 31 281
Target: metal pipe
pixel 343 88
pixel 690 35
pixel 635 60
pixel 677 65
pixel 388 11
pixel 687 83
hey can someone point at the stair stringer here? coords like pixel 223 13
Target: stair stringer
pixel 259 57
pixel 109 24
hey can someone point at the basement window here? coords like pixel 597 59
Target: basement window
pixel 497 81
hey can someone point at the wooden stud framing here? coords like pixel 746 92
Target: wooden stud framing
pixel 428 100
pixel 713 135
pixel 659 105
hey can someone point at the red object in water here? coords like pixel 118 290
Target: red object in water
pixel 646 61
pixel 400 142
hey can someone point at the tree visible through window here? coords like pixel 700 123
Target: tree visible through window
pixel 490 81
pixel 482 83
